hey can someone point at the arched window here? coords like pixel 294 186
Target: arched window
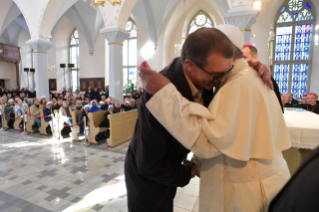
pixel 75 59
pixel 294 42
pixel 200 20
pixel 130 55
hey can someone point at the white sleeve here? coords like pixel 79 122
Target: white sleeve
pixel 183 119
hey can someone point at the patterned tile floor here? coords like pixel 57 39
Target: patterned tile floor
pixel 39 174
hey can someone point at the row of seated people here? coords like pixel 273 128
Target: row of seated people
pixel 15 92
pixel 65 111
pixel 308 102
pixel 90 94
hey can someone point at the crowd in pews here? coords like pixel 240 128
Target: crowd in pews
pixel 308 102
pixel 64 103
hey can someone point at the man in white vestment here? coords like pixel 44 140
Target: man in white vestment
pixel 239 137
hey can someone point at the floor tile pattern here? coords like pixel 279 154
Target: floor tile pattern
pixel 40 174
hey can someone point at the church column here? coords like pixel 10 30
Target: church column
pixel 115 36
pixel 40 49
pixel 243 20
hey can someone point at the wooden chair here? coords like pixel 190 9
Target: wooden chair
pixel 17 122
pixel 95 120
pixel 122 127
pixel 5 123
pixel 30 122
pixel 76 129
pixel 44 125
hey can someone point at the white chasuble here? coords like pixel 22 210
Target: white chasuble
pixel 239 137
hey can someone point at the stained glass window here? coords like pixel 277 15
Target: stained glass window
pixel 295 5
pixel 285 17
pixel 304 15
pixel 283 43
pixel 130 55
pixel 75 59
pixel 299 79
pixel 303 35
pixel 293 50
pixel 200 20
pixel 281 76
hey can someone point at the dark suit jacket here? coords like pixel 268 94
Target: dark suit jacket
pixel 106 122
pixel 105 107
pixel 83 114
pixel 46 112
pixel 277 92
pixel 117 110
pixel 301 193
pixel 292 104
pixel 153 167
pixel 88 95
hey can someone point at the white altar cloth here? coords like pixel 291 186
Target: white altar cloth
pixel 303 128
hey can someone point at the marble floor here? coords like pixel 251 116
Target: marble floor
pixel 39 174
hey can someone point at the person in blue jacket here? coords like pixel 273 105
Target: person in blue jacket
pixel 94 107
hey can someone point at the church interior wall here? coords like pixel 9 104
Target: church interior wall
pixel 176 24
pixel 8 73
pixel 26 58
pixel 92 66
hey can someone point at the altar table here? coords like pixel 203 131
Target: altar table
pixel 303 130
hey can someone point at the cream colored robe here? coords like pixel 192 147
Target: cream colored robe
pixel 240 137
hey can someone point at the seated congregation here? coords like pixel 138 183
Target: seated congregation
pixel 72 114
pixel 308 102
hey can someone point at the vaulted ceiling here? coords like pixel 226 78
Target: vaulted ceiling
pixel 152 14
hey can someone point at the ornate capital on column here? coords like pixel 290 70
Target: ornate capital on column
pixel 242 20
pixel 115 35
pixel 40 45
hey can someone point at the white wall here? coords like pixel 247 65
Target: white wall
pixel 25 52
pixel 261 30
pixel 92 66
pixel 8 73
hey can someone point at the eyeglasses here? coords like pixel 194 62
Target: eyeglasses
pixel 216 76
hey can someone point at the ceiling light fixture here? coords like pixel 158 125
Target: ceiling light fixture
pixel 103 2
pixel 257 4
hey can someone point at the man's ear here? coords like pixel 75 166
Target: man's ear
pixel 256 57
pixel 189 65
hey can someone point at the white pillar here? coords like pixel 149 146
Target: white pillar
pixel 243 20
pixel 40 49
pixel 115 36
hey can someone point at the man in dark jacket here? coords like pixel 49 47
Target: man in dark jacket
pixel 84 113
pixel 9 110
pixel 117 107
pixel 47 111
pixel 291 102
pixel 96 95
pixel 88 93
pixel 251 54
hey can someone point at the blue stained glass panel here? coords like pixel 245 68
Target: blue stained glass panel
pixel 285 17
pixel 295 15
pixel 304 15
pixel 299 79
pixel 283 9
pixel 283 43
pixel 308 5
pixel 303 34
pixel 281 75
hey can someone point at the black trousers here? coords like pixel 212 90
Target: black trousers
pixel 165 208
